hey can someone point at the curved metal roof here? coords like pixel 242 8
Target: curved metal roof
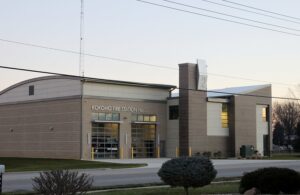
pixel 88 79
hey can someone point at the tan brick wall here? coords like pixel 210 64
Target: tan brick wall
pixel 46 129
pixel 193 118
pixel 245 117
pixel 172 140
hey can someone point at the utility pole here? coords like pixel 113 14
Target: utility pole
pixel 81 45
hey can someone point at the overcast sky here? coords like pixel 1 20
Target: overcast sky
pixel 135 31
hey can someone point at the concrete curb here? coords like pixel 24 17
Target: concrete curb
pixel 151 187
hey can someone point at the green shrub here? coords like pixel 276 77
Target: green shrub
pixel 207 154
pixel 218 154
pixel 62 182
pixel 187 172
pixel 271 180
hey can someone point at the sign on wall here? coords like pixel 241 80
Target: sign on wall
pixel 116 108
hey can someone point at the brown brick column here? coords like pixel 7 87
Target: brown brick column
pixel 192 111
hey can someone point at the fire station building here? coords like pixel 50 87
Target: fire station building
pixel 84 118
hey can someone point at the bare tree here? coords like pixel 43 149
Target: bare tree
pixel 62 182
pixel 278 134
pixel 288 115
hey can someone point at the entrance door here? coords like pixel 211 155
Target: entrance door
pixel 105 140
pixel 143 140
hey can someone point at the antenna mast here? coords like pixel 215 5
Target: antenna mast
pixel 81 45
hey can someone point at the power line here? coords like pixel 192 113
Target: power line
pixel 248 79
pixel 213 91
pixel 218 18
pixel 241 94
pixel 58 74
pixel 87 54
pixel 232 16
pixel 245 10
pixel 38 71
pixel 137 62
pixel 271 12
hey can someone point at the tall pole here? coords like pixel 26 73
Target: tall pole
pixel 81 46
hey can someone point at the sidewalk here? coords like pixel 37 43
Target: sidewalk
pixel 157 162
pixel 151 162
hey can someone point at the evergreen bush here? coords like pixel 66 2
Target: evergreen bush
pixel 207 154
pixel 187 172
pixel 218 154
pixel 271 180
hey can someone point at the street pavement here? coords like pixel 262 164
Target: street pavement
pixel 109 177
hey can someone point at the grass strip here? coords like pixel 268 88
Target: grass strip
pixel 215 188
pixel 140 187
pixel 284 157
pixel 42 164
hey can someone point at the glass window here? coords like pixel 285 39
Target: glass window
pixel 225 108
pixel 146 118
pixel 102 117
pixel 153 118
pixel 108 116
pixel 173 112
pixel 115 116
pixel 143 140
pixel 134 117
pixel 31 90
pixel 224 116
pixel 264 114
pixel 95 116
pixel 141 118
pixel 105 140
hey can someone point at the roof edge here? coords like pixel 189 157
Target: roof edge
pixel 259 88
pixel 87 79
pixel 129 83
pixel 34 80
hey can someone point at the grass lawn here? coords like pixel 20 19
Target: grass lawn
pixel 39 164
pixel 222 188
pixel 292 156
